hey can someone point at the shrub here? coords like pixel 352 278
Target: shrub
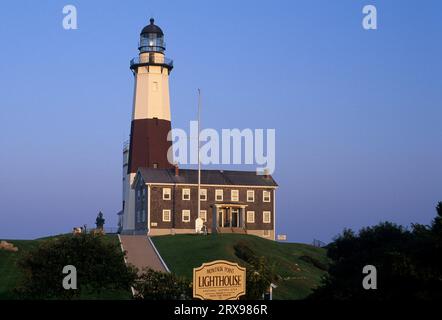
pixel 155 285
pixel 99 263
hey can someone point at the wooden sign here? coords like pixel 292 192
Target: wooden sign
pixel 219 280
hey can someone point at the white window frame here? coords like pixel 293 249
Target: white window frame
pixel 165 211
pixel 219 192
pixel 264 217
pixel 264 192
pixel 252 192
pixel 184 213
pixel 203 215
pixel 185 190
pixel 232 198
pixel 252 213
pixel 203 192
pixel 167 192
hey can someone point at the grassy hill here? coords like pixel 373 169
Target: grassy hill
pixel 10 274
pixel 299 265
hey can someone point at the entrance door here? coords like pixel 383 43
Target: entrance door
pixel 221 215
pixel 235 218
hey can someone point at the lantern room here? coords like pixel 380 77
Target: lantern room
pixel 152 39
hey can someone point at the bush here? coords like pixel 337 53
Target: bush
pixel 99 263
pixel 155 285
pixel 408 263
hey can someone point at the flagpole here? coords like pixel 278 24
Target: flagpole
pixel 199 162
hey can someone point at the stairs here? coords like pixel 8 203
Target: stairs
pixel 232 230
pixel 141 253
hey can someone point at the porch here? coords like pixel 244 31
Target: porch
pixel 229 218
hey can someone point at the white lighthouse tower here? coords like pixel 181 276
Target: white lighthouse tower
pixel 150 116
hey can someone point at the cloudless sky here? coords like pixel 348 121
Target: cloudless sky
pixel 357 113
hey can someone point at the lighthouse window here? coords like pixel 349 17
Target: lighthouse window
pixel 155 86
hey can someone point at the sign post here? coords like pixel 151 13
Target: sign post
pixel 219 280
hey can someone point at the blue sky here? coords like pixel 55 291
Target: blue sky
pixel 357 113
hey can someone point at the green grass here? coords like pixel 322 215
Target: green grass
pixel 10 274
pixel 182 253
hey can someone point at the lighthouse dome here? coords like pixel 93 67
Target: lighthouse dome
pixel 152 28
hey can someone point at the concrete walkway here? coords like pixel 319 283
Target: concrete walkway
pixel 141 253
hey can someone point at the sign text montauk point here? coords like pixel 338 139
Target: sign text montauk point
pixel 219 280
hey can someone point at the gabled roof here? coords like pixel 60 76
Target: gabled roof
pixel 213 177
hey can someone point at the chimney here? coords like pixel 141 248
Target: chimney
pixel 266 173
pixel 177 170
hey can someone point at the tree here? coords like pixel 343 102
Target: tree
pixel 408 262
pixel 155 285
pixel 99 263
pixel 259 277
pixel 436 226
pixel 99 222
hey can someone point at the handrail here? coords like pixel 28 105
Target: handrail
pixel 152 60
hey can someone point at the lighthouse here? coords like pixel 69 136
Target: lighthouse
pixel 160 198
pixel 150 123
